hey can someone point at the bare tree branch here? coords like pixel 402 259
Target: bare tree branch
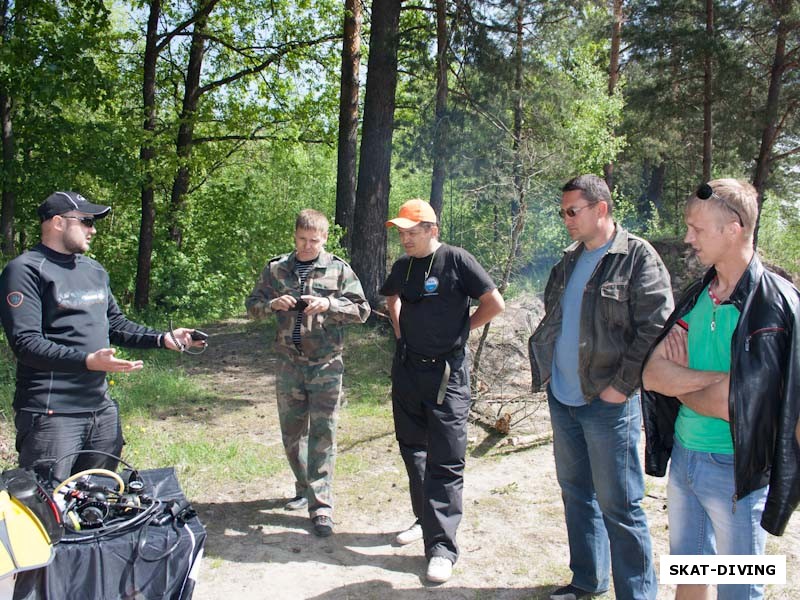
pixel 282 51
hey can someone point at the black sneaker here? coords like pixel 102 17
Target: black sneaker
pixel 323 525
pixel 296 503
pixel 570 592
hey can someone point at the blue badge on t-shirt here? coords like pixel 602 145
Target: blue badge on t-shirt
pixel 431 285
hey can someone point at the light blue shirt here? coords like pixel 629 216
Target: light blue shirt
pixel 565 383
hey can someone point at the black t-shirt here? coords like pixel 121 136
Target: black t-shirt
pixel 435 294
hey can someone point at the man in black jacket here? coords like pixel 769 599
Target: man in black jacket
pixel 721 392
pixel 60 319
pixel 605 303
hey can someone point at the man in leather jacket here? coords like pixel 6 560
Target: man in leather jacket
pixel 721 391
pixel 605 303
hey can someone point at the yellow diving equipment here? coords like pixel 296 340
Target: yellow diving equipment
pixel 24 543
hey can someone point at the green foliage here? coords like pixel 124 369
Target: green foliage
pixel 264 142
pixel 7 382
pixel 568 127
pixel 78 125
pixel 53 69
pixel 668 46
pixel 779 235
pixel 590 122
pixel 234 226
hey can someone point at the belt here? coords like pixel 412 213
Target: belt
pixel 424 358
pixel 433 360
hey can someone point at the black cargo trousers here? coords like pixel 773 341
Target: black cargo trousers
pixel 431 430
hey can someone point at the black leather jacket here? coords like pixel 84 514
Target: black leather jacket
pixel 764 397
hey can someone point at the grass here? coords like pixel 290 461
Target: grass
pixel 367 414
pixel 148 399
pixel 504 490
pixel 366 379
pixel 200 461
pixel 166 415
pixel 157 388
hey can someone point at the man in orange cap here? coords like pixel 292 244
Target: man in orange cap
pixel 428 295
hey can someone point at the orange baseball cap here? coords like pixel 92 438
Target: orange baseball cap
pixel 413 212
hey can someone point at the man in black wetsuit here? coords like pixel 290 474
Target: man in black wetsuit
pixel 60 319
pixel 428 295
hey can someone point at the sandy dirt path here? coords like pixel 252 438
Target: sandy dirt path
pixel 512 539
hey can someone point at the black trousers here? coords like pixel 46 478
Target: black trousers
pixel 49 437
pixel 433 444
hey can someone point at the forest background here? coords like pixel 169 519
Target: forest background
pixel 208 124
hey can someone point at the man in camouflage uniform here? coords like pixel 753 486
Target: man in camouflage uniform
pixel 313 295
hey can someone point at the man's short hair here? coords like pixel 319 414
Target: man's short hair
pixel 591 187
pixel 736 198
pixel 308 218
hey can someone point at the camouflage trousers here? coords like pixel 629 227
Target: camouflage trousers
pixel 308 408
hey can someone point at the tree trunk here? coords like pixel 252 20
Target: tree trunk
pixel 519 195
pixel 348 121
pixel 520 177
pixel 191 96
pixel 440 132
pixel 372 195
pixel 652 182
pixel 770 130
pixel 8 179
pixel 7 176
pixel 146 155
pixel 655 187
pixel 519 207
pixel 613 73
pixel 708 81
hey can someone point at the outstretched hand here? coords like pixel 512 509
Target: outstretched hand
pixel 104 360
pixel 181 338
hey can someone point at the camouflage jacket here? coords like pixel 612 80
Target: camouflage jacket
pixel 321 334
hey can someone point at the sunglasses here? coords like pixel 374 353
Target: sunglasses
pixel 572 211
pixel 88 221
pixel 705 191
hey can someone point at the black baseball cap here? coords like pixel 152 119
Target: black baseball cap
pixel 59 203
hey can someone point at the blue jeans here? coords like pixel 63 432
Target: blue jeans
pixel 602 485
pixel 702 519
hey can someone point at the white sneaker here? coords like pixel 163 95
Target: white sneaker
pixel 439 569
pixel 412 534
